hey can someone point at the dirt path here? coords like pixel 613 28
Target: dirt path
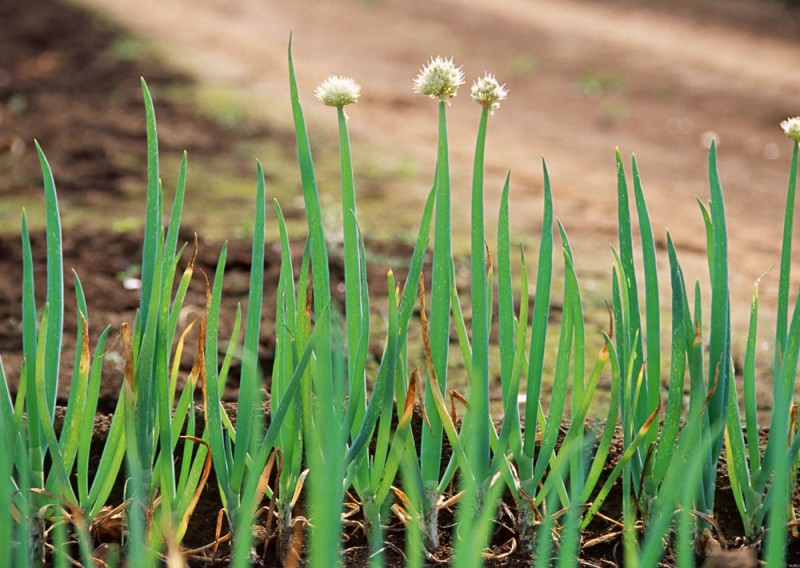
pixel 584 77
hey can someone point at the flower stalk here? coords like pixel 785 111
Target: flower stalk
pixel 488 93
pixel 439 79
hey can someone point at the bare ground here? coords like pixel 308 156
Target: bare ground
pixel 655 78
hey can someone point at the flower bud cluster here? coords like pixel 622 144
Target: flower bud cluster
pixel 338 91
pixel 488 92
pixel 438 79
pixel 791 127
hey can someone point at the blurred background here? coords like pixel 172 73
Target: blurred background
pixel 660 79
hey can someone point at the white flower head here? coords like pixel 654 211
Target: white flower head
pixel 487 92
pixel 791 127
pixel 439 79
pixel 338 91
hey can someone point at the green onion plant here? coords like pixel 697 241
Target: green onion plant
pixel 339 447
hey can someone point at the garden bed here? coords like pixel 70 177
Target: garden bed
pixel 602 540
pixel 107 262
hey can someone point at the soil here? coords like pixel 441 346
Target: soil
pixel 656 78
pixel 723 545
pixel 64 81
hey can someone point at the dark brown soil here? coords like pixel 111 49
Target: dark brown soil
pixel 595 551
pixel 61 83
